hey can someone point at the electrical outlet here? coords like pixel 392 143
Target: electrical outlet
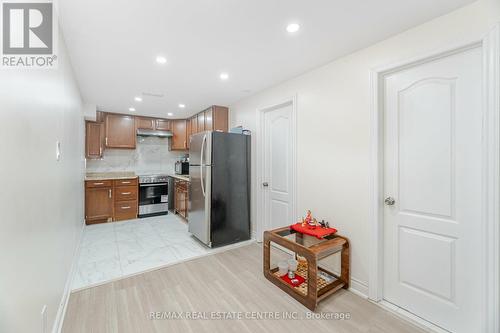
pixel 43 317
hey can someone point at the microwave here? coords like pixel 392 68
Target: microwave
pixel 181 168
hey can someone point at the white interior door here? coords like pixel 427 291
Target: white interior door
pixel 277 185
pixel 433 163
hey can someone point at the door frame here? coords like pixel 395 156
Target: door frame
pixel 490 229
pixel 260 163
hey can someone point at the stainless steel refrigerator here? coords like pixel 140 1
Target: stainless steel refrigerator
pixel 219 197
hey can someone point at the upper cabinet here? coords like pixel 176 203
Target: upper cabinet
pixel 215 118
pixel 209 125
pixel 120 131
pixel 153 124
pixel 94 139
pixel 145 123
pixel 163 125
pixel 111 130
pixel 179 130
pixel 220 118
pixel 201 122
pixel 188 132
pixel 194 124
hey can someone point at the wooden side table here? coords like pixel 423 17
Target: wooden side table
pixel 316 289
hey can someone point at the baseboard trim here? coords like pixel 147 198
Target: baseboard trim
pixel 61 312
pixel 410 317
pixel 359 288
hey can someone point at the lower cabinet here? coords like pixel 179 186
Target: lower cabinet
pixel 98 203
pixel 125 210
pixel 111 200
pixel 181 189
pixel 126 199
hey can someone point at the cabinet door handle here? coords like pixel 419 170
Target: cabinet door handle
pixel 100 151
pixel 106 141
pixel 98 183
pixel 125 182
pixel 109 193
pixel 184 143
pixel 126 193
pixel 126 207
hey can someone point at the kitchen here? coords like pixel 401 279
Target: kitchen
pixel 172 149
pixel 157 191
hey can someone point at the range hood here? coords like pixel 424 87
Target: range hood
pixel 159 134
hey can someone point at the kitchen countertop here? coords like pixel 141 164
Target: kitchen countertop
pixel 109 175
pixel 181 177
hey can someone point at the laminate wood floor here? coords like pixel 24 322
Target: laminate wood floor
pixel 228 284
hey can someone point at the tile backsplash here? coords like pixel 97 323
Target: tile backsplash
pixel 150 156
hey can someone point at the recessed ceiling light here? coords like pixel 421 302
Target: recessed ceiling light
pixel 138 99
pixel 293 27
pixel 131 109
pixel 182 106
pixel 224 76
pixel 170 114
pixel 161 60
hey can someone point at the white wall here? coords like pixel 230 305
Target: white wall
pixel 41 200
pixel 333 112
pixel 89 111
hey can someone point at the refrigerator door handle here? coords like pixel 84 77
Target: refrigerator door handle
pixel 201 163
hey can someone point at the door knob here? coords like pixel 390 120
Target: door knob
pixel 389 201
pixel 265 184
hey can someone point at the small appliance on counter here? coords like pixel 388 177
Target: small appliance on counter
pixel 182 166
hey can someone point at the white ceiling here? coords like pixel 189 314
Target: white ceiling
pixel 113 45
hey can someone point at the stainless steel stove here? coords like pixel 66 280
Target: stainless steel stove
pixel 153 195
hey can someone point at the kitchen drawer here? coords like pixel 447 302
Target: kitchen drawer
pixel 126 182
pixel 98 183
pixel 126 210
pixel 125 193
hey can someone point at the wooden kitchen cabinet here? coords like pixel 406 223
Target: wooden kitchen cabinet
pixel 163 125
pixel 145 123
pixel 98 203
pixel 114 130
pixel 208 114
pixel 216 118
pixel 188 132
pixel 194 124
pixel 181 189
pixel 153 124
pixel 120 131
pixel 126 199
pixel 125 210
pixel 201 122
pixel 94 139
pixel 111 200
pixel 179 139
pixel 126 193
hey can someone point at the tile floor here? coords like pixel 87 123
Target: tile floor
pixel 113 250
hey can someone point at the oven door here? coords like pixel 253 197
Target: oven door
pixel 153 199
